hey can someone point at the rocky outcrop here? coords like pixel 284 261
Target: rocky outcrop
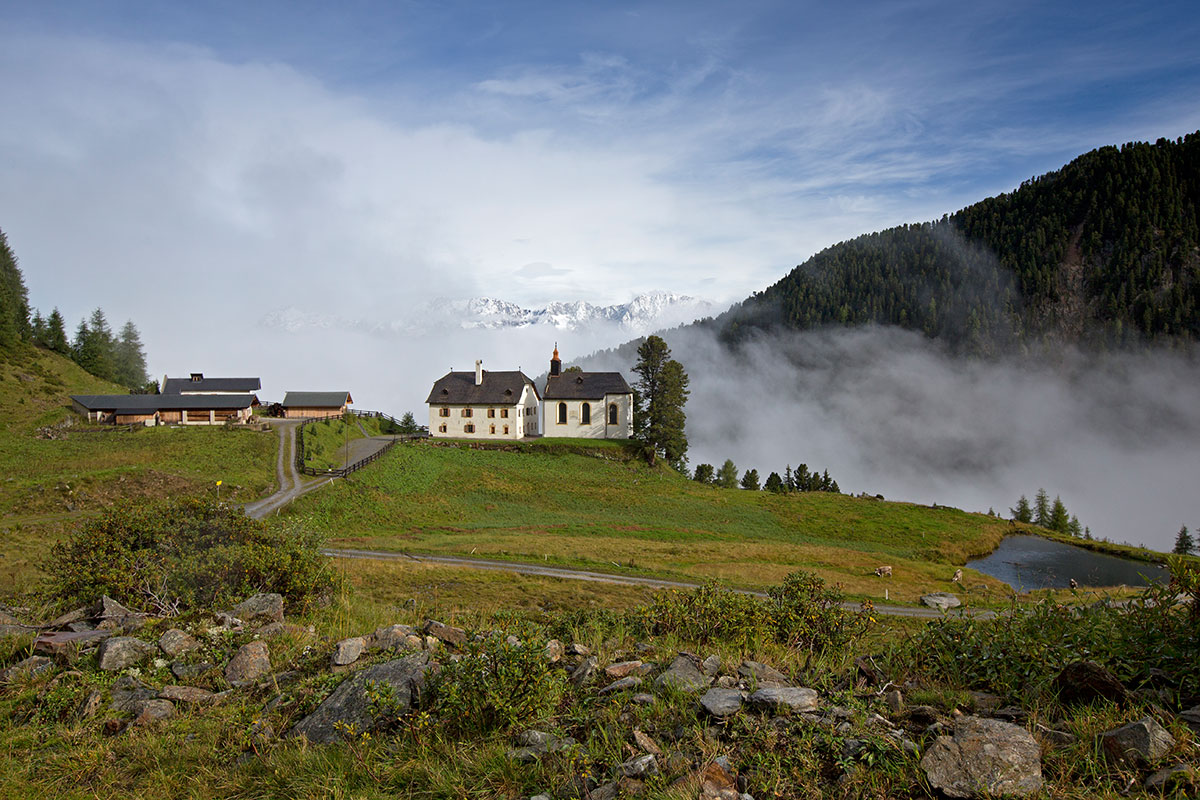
pixel 943 601
pixel 347 651
pixel 1137 743
pixel 721 703
pixel 119 652
pixel 684 675
pixel 252 661
pixel 984 757
pixel 175 643
pixel 348 704
pixel 789 698
pixel 261 609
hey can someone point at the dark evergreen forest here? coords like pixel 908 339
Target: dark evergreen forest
pixel 1104 252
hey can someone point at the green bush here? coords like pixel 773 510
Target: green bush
pixel 806 615
pixel 184 554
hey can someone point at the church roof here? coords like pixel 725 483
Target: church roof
pixel 498 388
pixel 585 386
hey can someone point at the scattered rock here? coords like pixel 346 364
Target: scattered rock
pixel 1086 681
pixel 984 757
pixel 392 637
pixel 577 650
pixel 793 698
pixel 711 666
pixel 683 675
pixel 260 609
pixel 251 662
pixel 66 643
pixel 1056 737
pixel 184 672
pixel 148 711
pixel 643 699
pixel 762 675
pixel 640 766
pixel 894 701
pixel 1137 743
pixel 721 703
pixel 586 671
pixel 127 691
pixel 622 669
pixel 175 643
pixel 553 651
pixel 74 615
pixel 1191 718
pixel 119 652
pixel 646 743
pixel 108 609
pixel 629 682
pixel 446 633
pixel 347 651
pixel 348 702
pixel 718 783
pixel 1173 779
pixel 941 600
pixel 185 694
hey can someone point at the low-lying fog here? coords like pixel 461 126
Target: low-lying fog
pixel 886 411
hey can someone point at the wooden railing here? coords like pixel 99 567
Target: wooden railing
pixel 341 472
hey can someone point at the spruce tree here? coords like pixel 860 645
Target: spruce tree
pixel 789 481
pixel 1041 509
pixel 56 334
pixel 1074 528
pixel 750 480
pixel 129 359
pixel 663 388
pixel 14 299
pixel 1184 543
pixel 704 473
pixel 1022 513
pixel 774 483
pixel 1060 520
pixel 727 475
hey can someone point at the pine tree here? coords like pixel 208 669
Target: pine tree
pixel 93 346
pixel 727 475
pixel 1060 520
pixel 663 387
pixel 789 481
pixel 56 334
pixel 1022 513
pixel 1184 543
pixel 704 473
pixel 1041 509
pixel 802 478
pixel 37 329
pixel 750 480
pixel 14 299
pixel 1074 528
pixel 774 483
pixel 129 359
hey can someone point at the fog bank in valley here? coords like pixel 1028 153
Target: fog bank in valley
pixel 889 412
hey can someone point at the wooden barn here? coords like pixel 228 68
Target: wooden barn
pixel 303 405
pixel 165 409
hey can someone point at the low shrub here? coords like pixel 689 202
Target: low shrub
pixel 187 553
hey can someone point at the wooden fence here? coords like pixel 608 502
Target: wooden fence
pixel 342 472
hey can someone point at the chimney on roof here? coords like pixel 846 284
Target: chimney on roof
pixel 555 363
pixel 478 372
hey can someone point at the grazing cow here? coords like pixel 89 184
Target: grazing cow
pixel 1074 584
pixel 957 576
pixel 884 571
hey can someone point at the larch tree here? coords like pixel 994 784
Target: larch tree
pixel 662 391
pixel 727 475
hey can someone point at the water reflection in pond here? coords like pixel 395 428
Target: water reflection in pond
pixel 1031 562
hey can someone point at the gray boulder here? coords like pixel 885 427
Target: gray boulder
pixel 175 643
pixel 941 600
pixel 1191 718
pixel 251 662
pixel 984 757
pixel 762 675
pixel 640 766
pixel 683 674
pixel 721 703
pixel 446 634
pixel 348 702
pixel 392 637
pixel 260 609
pixel 1086 682
pixel 1173 779
pixel 185 694
pixel 586 671
pixel 127 692
pixel 629 682
pixel 792 698
pixel 347 651
pixel 119 652
pixel 1137 743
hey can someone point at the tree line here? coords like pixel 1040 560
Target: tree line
pixel 1101 249
pixel 800 480
pixel 117 357
pixel 1052 516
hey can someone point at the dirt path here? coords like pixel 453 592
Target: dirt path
pixel 291 484
pixel 602 577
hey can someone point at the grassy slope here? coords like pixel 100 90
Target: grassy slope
pixel 47 483
pixel 607 512
pixel 325 441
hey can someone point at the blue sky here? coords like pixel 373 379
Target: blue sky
pixel 537 151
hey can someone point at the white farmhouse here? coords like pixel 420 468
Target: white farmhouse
pixel 483 405
pixel 586 405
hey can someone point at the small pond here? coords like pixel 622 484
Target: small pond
pixel 1031 562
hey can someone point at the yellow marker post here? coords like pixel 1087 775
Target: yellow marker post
pixel 218 491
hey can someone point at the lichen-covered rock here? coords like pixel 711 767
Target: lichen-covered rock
pixel 984 757
pixel 185 694
pixel 640 766
pixel 1137 743
pixel 447 634
pixel 622 668
pixel 943 601
pixel 348 703
pixel 176 642
pixel 792 698
pixel 119 652
pixel 683 674
pixel 260 609
pixel 762 675
pixel 721 703
pixel 347 651
pixel 146 712
pixel 251 662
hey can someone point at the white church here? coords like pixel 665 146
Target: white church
pixel 507 405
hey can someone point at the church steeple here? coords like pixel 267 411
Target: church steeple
pixel 555 363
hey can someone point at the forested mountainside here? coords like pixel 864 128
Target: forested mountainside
pixel 1105 251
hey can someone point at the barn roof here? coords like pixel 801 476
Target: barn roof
pixel 584 386
pixel 149 403
pixel 316 399
pixel 498 388
pixel 219 385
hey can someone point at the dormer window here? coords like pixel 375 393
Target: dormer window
pixel 197 377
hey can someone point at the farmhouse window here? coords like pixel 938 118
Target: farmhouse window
pixel 466 412
pixel 506 430
pixel 585 415
pixel 562 413
pixel 493 429
pixel 492 413
pixel 443 412
pixel 442 428
pixel 612 413
pixel 504 413
pixel 468 428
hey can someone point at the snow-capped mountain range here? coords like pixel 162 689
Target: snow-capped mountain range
pixel 643 314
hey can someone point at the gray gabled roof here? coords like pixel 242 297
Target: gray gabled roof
pixel 139 403
pixel 316 399
pixel 221 385
pixel 498 388
pixel 584 386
